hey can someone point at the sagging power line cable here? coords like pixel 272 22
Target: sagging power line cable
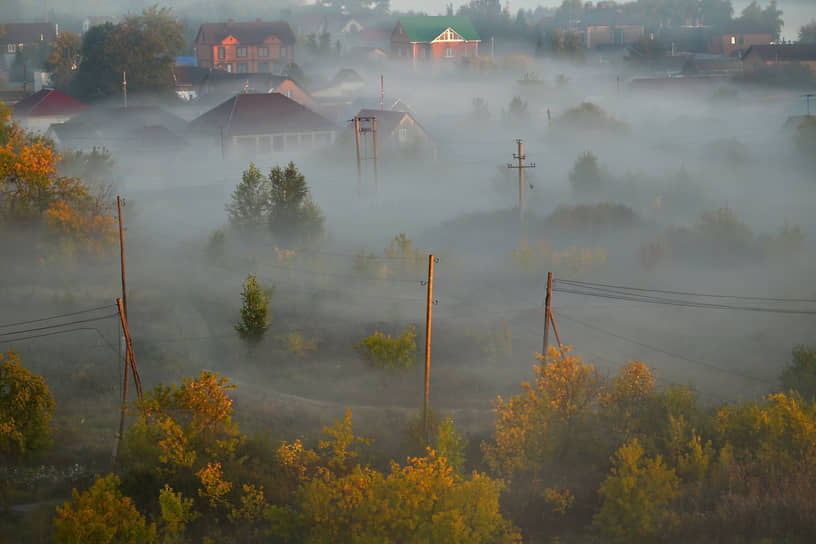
pixel 601 293
pixel 58 316
pixel 577 283
pixel 705 364
pixel 56 326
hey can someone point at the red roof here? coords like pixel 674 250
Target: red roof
pixel 246 33
pixel 263 113
pixel 48 103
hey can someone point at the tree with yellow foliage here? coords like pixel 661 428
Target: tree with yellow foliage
pixel 636 496
pixel 33 193
pixel 101 515
pixel 184 426
pixel 26 407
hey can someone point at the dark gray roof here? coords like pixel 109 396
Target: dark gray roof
pixel 246 33
pixel 263 113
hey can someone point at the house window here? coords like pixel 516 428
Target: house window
pixel 263 51
pixel 733 40
pixel 277 143
pixel 263 67
pixel 288 93
pixel 449 52
pixel 241 52
pixel 291 141
pixel 283 51
pixel 742 40
pixel 228 67
pixel 222 52
pixel 403 133
pixel 246 143
pixel 243 68
pixel 306 140
pixel 263 144
pixel 11 48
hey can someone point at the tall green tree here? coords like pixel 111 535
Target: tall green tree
pixel 800 375
pixel 716 12
pixel 144 46
pixel 250 201
pixel 292 212
pixel 770 17
pixel 807 34
pixel 63 60
pixel 254 311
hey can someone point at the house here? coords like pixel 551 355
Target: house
pixel 345 84
pixel 16 35
pixel 608 27
pixel 97 20
pixel 436 38
pixel 398 131
pixel 735 38
pixel 245 47
pixel 136 129
pixel 762 56
pixel 255 124
pixel 40 110
pixel 195 83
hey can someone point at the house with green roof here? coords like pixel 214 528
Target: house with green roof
pixel 434 38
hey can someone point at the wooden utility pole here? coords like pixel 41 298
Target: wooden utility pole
pixel 359 165
pixel 124 88
pixel 122 252
pixel 521 166
pixel 376 159
pixel 547 302
pixel 382 92
pixel 358 129
pixel 130 364
pixel 426 413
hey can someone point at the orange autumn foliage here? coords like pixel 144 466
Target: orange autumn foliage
pixel 32 191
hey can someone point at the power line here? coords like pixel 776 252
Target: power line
pixel 663 351
pixel 57 325
pixel 577 283
pixel 599 293
pixel 106 343
pixel 58 316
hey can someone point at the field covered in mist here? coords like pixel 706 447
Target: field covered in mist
pixel 702 199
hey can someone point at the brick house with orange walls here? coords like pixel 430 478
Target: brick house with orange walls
pixel 256 47
pixel 434 38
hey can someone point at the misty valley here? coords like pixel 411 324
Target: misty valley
pixel 350 272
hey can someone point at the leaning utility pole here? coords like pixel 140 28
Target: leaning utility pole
pixel 521 166
pixel 549 320
pixel 122 252
pixel 426 413
pixel 130 364
pixel 547 302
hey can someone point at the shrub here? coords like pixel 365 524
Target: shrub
pixel 589 116
pixel 26 407
pixel 635 496
pixel 800 375
pixel 593 217
pixel 386 352
pixel 254 311
pixel 586 175
pixel 102 514
pixel 299 345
